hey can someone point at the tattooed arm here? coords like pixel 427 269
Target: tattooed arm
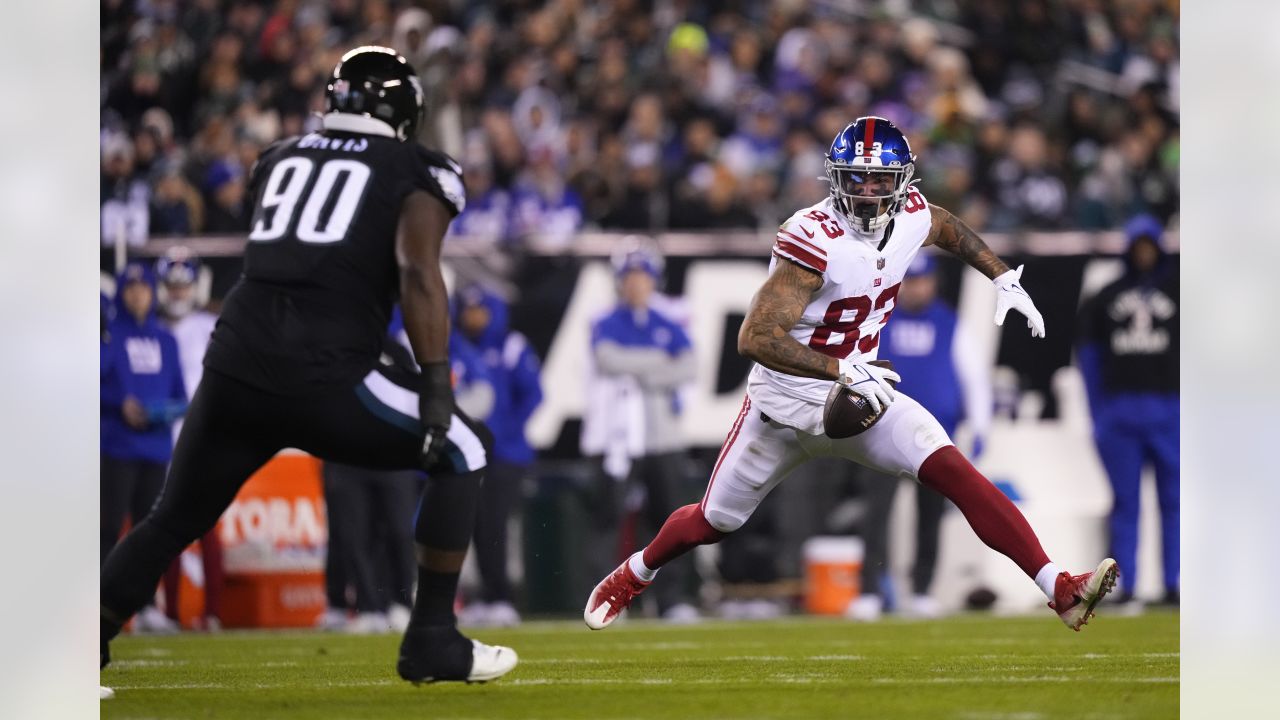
pixel 775 309
pixel 951 234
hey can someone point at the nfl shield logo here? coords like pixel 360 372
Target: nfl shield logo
pixel 879 263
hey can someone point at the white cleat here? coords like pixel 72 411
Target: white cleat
pixel 105 693
pixel 503 614
pixel 865 608
pixel 475 614
pixel 924 607
pixel 332 620
pixel 490 662
pixel 153 620
pixel 398 618
pixel 368 623
pixel 682 614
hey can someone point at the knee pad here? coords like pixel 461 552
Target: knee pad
pixel 723 522
pixel 447 511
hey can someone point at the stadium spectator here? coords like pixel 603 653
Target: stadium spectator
pixel 182 308
pixel 125 194
pixel 527 79
pixel 641 358
pixel 488 213
pixel 226 211
pixel 1129 358
pixel 941 368
pixel 142 395
pixel 545 206
pixel 512 369
pixel 176 207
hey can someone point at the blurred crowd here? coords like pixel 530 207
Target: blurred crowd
pixel 658 114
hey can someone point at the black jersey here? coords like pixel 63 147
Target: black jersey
pixel 320 274
pixel 1135 325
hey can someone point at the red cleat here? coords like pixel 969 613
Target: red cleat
pixel 613 595
pixel 1075 596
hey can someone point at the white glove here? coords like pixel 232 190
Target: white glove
pixel 869 381
pixel 1010 295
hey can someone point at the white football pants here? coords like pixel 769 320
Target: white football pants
pixel 760 452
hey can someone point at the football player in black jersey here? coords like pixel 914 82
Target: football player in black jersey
pixel 347 220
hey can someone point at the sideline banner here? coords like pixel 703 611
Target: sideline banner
pixel 274 536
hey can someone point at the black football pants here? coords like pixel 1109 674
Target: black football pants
pixel 232 429
pixel 930 505
pixel 500 494
pixel 370 516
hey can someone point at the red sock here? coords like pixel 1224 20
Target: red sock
pixel 215 575
pixel 684 530
pixel 995 519
pixel 172 579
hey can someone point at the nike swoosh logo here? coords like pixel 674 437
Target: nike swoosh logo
pixel 806 232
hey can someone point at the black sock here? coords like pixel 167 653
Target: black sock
pixel 436 593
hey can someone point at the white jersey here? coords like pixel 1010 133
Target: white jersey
pixel 861 273
pixel 192 332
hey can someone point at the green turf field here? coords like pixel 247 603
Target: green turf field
pixel 968 668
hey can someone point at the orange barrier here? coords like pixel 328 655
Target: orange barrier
pixel 831 568
pixel 274 536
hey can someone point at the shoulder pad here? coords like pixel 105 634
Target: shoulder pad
pixel 440 175
pixel 803 237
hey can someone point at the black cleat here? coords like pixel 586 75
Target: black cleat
pixel 441 654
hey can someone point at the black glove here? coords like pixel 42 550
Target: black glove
pixel 435 409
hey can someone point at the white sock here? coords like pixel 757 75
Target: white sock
pixel 1047 579
pixel 641 570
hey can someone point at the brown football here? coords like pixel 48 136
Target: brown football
pixel 848 413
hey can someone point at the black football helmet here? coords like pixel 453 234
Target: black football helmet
pixel 377 82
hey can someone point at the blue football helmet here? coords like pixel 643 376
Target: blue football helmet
pixel 178 273
pixel 638 256
pixel 869 167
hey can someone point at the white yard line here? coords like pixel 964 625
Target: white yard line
pixel 1013 679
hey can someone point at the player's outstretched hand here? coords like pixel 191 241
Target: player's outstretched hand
pixel 1011 296
pixel 869 381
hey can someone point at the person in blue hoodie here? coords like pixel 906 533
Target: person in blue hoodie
pixel 513 369
pixel 1128 354
pixel 142 394
pixel 941 368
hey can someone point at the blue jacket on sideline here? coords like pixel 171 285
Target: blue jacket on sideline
pixel 139 359
pixel 919 343
pixel 514 370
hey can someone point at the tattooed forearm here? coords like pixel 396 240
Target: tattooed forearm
pixel 774 311
pixel 951 234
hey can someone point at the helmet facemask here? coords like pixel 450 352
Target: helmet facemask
pixel 869 196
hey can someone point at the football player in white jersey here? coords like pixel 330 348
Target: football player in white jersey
pixel 182 306
pixel 832 282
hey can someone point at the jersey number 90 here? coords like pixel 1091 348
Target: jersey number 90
pixel 331 200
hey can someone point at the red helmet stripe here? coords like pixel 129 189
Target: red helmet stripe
pixel 868 137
